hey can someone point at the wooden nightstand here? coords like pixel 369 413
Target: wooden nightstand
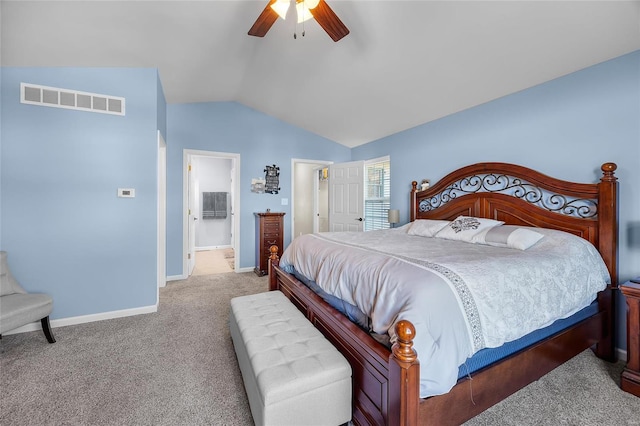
pixel 630 379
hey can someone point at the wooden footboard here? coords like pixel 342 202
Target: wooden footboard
pixel 500 380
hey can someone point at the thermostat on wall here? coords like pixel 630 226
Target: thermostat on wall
pixel 126 192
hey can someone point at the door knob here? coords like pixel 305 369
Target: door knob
pixel 360 219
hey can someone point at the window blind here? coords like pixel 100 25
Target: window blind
pixel 377 194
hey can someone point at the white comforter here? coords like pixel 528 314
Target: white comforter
pixel 461 297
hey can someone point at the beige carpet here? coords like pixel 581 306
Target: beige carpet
pixel 174 367
pixel 177 367
pixel 209 262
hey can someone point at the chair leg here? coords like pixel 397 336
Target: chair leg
pixel 46 327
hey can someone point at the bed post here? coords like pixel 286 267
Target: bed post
pixel 413 208
pixel 608 248
pixel 404 378
pixel 273 260
pixel 608 220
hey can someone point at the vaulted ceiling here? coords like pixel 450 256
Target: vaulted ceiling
pixel 403 64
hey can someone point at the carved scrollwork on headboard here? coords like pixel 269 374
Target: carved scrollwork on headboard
pixel 514 187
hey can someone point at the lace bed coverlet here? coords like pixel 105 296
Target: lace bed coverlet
pixel 461 297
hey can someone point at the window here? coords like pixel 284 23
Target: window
pixel 377 193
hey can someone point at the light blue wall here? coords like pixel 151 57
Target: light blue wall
pixel 66 231
pixel 68 234
pixel 565 128
pixel 260 140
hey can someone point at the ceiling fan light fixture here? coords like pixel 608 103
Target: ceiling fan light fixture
pixel 304 11
pixel 281 7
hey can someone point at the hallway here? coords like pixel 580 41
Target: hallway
pixel 209 262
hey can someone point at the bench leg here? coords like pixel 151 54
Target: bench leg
pixel 46 327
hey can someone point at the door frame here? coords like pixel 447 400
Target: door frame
pixel 294 161
pixel 162 214
pixel 187 154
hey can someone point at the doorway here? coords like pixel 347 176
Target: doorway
pixel 212 261
pixel 210 199
pixel 309 196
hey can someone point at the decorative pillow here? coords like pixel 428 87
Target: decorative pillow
pixel 464 228
pixel 427 227
pixel 404 228
pixel 508 236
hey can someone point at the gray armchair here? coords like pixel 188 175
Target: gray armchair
pixel 17 307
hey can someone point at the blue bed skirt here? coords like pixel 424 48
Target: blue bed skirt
pixel 487 356
pixel 480 359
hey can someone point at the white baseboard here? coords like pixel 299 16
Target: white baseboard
pixel 622 354
pixel 184 277
pixel 204 248
pixel 62 322
pixel 176 277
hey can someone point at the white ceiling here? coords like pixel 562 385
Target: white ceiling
pixel 404 63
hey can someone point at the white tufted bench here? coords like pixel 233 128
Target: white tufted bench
pixel 292 374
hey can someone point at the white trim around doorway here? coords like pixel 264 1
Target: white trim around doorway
pixel 294 161
pixel 187 154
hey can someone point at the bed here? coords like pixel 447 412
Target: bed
pixel 387 381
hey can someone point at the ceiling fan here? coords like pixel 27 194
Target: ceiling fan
pixel 306 9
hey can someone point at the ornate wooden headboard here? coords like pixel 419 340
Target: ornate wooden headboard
pixel 521 196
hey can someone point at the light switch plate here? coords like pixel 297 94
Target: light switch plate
pixel 126 192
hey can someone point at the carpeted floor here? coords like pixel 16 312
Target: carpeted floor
pixel 173 367
pixel 178 367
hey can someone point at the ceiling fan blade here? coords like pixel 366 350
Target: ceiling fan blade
pixel 329 21
pixel 264 21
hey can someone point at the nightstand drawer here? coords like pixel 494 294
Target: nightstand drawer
pixel 271 237
pixel 271 228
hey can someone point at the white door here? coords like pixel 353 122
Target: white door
pixel 191 220
pixel 346 196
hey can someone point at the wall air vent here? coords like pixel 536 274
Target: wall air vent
pixel 70 99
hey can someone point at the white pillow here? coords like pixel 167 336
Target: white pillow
pixel 508 236
pixel 427 227
pixel 464 228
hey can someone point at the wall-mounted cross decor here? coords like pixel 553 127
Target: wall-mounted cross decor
pixel 272 178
